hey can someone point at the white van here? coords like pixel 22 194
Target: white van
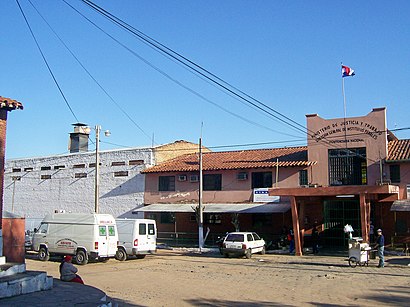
pixel 137 237
pixel 84 235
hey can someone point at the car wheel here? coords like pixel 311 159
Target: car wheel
pixel 263 251
pixel 81 257
pixel 121 255
pixel 43 254
pixel 248 253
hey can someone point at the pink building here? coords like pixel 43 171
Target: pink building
pixel 235 184
pixel 361 178
pixel 353 171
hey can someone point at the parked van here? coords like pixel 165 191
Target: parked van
pixel 137 237
pixel 84 235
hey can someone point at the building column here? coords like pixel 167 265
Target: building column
pixel 3 125
pixel 296 228
pixel 364 217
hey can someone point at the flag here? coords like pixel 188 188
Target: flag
pixel 347 71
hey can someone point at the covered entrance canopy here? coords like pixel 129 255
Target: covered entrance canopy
pixel 401 205
pixel 219 208
pixel 298 196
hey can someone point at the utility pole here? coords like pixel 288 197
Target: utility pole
pixel 200 207
pixel 97 168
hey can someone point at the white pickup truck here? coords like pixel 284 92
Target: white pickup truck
pixel 243 244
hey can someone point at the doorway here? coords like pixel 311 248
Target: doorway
pixel 338 213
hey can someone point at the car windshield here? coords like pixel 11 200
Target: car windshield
pixel 235 237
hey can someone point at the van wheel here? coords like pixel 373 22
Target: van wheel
pixel 43 254
pixel 248 253
pixel 121 255
pixel 81 257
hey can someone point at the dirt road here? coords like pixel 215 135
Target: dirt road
pixel 183 278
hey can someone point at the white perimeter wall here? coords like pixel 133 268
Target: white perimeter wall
pixel 35 197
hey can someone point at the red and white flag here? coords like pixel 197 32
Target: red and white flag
pixel 347 71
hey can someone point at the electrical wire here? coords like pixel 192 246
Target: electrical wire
pixel 89 73
pixel 46 62
pixel 169 77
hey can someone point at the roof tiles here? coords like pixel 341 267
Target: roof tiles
pixel 399 150
pixel 245 159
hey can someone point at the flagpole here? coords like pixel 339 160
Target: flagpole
pixel 344 121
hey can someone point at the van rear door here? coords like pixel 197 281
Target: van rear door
pixel 147 236
pixel 107 240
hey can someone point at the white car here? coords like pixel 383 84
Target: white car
pixel 243 244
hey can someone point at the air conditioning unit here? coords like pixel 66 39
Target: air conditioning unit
pixel 242 176
pixel 194 178
pixel 182 178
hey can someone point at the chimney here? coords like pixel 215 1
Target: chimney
pixel 79 138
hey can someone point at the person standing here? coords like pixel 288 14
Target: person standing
pixel 291 239
pixel 315 240
pixel 380 248
pixel 371 232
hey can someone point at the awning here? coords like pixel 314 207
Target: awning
pixel 401 205
pixel 219 208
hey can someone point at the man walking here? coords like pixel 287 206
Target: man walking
pixel 380 248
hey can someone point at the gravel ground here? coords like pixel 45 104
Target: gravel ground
pixel 185 277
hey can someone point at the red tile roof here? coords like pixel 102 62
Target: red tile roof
pixel 398 150
pixel 10 104
pixel 245 159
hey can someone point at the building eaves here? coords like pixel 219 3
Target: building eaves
pixel 229 160
pixel 10 104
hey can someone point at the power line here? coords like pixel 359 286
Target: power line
pixel 90 75
pixel 45 61
pixel 169 77
pixel 196 68
pixel 190 65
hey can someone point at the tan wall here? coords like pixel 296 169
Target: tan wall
pixel 233 190
pixel 176 149
pixel 366 131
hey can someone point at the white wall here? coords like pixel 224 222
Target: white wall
pixel 35 197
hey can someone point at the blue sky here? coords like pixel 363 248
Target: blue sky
pixel 286 54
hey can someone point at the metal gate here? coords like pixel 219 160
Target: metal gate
pixel 338 213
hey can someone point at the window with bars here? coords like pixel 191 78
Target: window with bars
pixel 347 166
pixel 303 177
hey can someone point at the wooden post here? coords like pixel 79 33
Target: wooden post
pixel 296 228
pixel 364 217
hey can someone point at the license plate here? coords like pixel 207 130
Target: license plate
pixel 233 246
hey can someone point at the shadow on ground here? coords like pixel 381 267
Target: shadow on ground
pixel 226 303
